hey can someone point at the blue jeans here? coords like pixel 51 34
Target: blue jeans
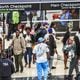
pixel 28 54
pixel 42 66
pixel 51 62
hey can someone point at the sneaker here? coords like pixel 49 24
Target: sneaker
pixel 16 71
pixel 70 77
pixel 29 66
pixel 25 65
pixel 66 68
pixel 49 74
pixel 53 67
pixel 21 70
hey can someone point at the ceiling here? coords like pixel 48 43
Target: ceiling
pixel 34 1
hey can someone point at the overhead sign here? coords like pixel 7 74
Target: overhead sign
pixel 19 6
pixel 34 1
pixel 42 6
pixel 50 6
pixel 70 5
pixel 57 6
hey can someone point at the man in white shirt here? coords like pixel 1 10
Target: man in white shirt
pixel 41 55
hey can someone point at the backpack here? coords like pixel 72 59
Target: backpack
pixel 51 42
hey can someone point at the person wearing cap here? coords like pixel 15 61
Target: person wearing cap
pixel 52 31
pixel 50 40
pixel 41 56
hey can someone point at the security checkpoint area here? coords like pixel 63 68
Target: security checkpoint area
pixel 36 15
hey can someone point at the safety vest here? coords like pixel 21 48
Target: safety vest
pixel 15 17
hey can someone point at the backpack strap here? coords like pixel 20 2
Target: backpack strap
pixel 21 42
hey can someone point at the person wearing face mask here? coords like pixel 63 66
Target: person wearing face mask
pixel 18 44
pixel 21 28
pixel 28 42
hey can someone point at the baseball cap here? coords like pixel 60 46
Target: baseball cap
pixel 41 39
pixel 50 30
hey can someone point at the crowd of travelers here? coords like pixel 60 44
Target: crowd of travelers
pixel 38 45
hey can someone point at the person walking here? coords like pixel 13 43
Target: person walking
pixel 6 68
pixel 41 55
pixel 18 44
pixel 28 53
pixel 64 41
pixel 75 48
pixel 52 49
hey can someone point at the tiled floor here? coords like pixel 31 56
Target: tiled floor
pixel 57 74
pixel 60 77
pixel 30 74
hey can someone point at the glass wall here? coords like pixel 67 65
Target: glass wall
pixel 63 14
pixel 63 18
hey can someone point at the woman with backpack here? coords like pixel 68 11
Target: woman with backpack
pixel 52 47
